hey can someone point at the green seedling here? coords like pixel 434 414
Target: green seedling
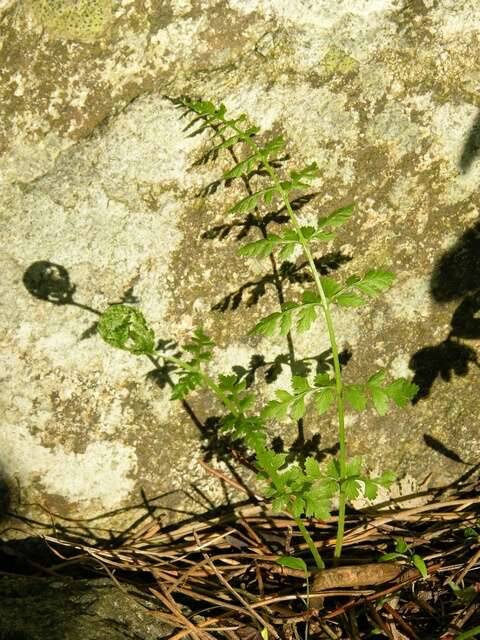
pixel 403 551
pixel 471 633
pixel 470 532
pixel 464 595
pixel 306 489
pixel 299 565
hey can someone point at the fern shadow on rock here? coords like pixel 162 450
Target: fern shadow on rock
pixel 244 226
pixel 278 274
pixel 51 282
pixel 213 186
pixel 471 148
pixel 252 291
pixel 270 370
pixel 308 448
pixel 259 222
pixel 456 277
pixel 6 497
pixel 220 446
pixel 439 447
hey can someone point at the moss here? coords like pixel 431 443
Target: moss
pixel 83 20
pixel 337 61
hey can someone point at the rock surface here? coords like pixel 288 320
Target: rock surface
pixel 68 609
pixel 99 204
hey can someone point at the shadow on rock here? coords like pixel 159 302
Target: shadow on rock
pixel 65 608
pixel 440 361
pixel 5 498
pixel 50 282
pixel 300 451
pixel 471 148
pixel 270 370
pixel 439 447
pixel 457 273
pixel 288 272
pixel 456 277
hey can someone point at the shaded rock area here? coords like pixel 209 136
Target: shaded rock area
pixel 69 609
pixel 100 204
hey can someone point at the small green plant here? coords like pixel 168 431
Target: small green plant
pixel 464 595
pixel 471 633
pixel 403 551
pixel 302 489
pixel 299 565
pixel 471 532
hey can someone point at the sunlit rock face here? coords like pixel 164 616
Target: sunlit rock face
pixel 102 202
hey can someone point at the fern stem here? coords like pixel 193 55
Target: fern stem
pixel 331 334
pixel 209 382
pixel 302 528
pixel 340 527
pixel 342 454
pixel 311 545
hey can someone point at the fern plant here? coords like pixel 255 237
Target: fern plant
pixel 303 489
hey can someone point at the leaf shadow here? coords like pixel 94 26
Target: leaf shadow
pixel 251 292
pixel 49 282
pixel 442 360
pixel 456 276
pixel 299 451
pixel 439 447
pixel 213 186
pixel 269 371
pixel 259 222
pixel 471 148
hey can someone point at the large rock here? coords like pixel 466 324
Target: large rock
pixel 99 204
